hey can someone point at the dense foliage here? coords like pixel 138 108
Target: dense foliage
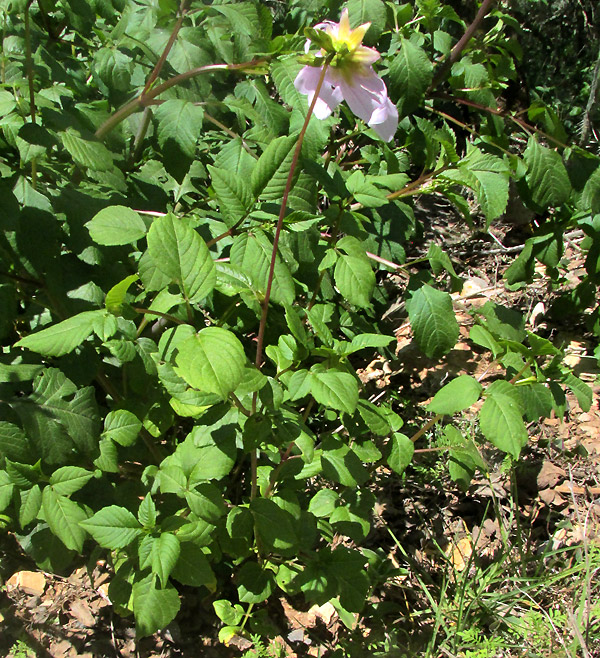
pixel 182 395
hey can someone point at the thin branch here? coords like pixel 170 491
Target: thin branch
pixel 288 187
pixel 183 8
pixel 446 65
pixel 143 99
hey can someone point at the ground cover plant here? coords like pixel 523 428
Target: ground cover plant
pixel 201 209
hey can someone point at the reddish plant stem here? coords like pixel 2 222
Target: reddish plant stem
pixel 445 66
pixel 265 304
pixel 144 99
pixel 163 58
pixel 505 115
pixel 284 200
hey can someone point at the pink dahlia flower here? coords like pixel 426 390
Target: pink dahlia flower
pixel 349 77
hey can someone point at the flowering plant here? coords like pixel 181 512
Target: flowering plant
pixel 350 76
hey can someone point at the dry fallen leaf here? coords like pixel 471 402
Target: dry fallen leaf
pixel 82 612
pixel 31 582
pixel 460 553
pixel 549 475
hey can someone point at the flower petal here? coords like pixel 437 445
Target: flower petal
pixel 364 55
pixel 344 31
pixel 357 35
pixel 384 120
pixel 364 93
pixel 330 96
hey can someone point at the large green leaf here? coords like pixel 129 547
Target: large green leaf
pixel 547 175
pixel 456 395
pixel 193 568
pixel 122 426
pixel 179 252
pixel 355 279
pixel 62 338
pixel 6 490
pixel 341 464
pixel 85 153
pixel 212 361
pixel 251 252
pixel 272 169
pixel 275 527
pixel 113 527
pixel 69 479
pixel 368 11
pixel 334 389
pixel 153 608
pixel 501 418
pixel 233 194
pixel 179 122
pixel 64 517
pixel 58 417
pixel 401 453
pixel 410 74
pixel 116 225
pixel 164 556
pixel 14 443
pixel 433 321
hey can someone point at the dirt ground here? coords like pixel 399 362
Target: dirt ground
pixel 557 485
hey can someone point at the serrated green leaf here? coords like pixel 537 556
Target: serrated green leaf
pixel 582 391
pixel 233 194
pixel 460 393
pixel 116 295
pixel 112 527
pixel 58 417
pixel 114 68
pixel 86 153
pixel 179 122
pixel 401 453
pixel 501 418
pixel 206 501
pixel 364 192
pixel 122 426
pixel 6 490
pixel 69 479
pixel 341 464
pixel 433 321
pixel 270 174
pixel 164 556
pixel 14 444
pixel 538 401
pixel 254 584
pixel 64 518
pixel 275 527
pixel 193 568
pixel 251 253
pixel 62 338
pixel 410 74
pixel 368 11
pixel 153 608
pixel 546 176
pixel 179 252
pixel 334 389
pixel 31 502
pixel 355 279
pixel 212 361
